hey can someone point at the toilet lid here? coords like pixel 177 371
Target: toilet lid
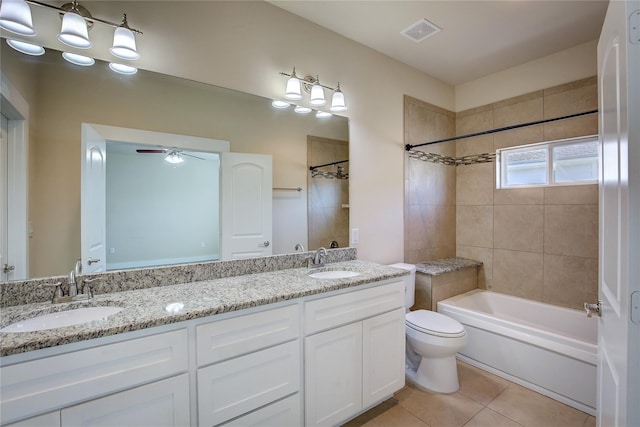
pixel 434 323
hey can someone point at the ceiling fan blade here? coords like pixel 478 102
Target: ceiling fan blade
pixel 190 155
pixel 150 151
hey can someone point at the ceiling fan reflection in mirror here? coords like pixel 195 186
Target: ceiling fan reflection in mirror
pixel 173 156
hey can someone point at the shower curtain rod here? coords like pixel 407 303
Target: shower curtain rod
pixel 327 164
pixel 409 147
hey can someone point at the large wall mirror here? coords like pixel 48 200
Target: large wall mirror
pixel 62 96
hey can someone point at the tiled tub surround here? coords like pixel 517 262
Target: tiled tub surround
pixel 145 308
pixel 31 291
pixel 536 243
pixel 440 279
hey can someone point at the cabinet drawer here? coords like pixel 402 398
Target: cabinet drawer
pixel 283 413
pixel 224 339
pixel 345 308
pixel 56 381
pixel 161 404
pixel 237 386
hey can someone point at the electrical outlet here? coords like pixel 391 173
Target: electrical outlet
pixel 355 236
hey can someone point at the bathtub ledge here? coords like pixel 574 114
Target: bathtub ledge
pixel 446 265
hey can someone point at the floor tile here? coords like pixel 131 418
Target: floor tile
pixel 489 418
pixel 535 410
pixel 387 414
pixel 440 410
pixel 479 385
pixel 590 422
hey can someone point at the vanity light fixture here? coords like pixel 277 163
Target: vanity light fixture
pixel 15 16
pixel 77 21
pixel 122 68
pixel 26 48
pixel 279 104
pixel 74 58
pixel 323 115
pixel 313 86
pixel 300 109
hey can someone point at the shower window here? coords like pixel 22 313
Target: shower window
pixel 564 162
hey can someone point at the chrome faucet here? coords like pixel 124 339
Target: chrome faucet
pixel 298 247
pixel 73 275
pixel 317 259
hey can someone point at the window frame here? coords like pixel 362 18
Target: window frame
pixel 548 146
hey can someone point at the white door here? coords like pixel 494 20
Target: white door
pixel 5 267
pixel 333 375
pixel 246 187
pixel 619 282
pixel 383 354
pixel 93 201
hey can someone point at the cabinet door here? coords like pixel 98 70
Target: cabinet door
pixel 383 341
pixel 163 403
pixel 333 375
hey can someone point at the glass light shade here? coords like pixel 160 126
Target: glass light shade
pixel 27 48
pixel 337 101
pixel 302 110
pixel 174 158
pixel 323 115
pixel 15 16
pixel 124 44
pixel 317 95
pixel 293 90
pixel 74 58
pixel 279 104
pixel 122 68
pixel 74 31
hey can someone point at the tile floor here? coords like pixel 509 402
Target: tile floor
pixel 484 400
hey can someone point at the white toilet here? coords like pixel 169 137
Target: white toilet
pixel 433 340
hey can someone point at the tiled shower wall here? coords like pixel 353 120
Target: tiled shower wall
pixel 430 188
pixel 537 243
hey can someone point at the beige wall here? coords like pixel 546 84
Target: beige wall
pixel 430 188
pixel 537 243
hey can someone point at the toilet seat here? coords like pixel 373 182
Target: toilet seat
pixel 432 323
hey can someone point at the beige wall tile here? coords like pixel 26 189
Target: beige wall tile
pixel 474 226
pixel 476 145
pixel 474 184
pixel 467 280
pixel 518 196
pixel 571 128
pixel 522 136
pixel 589 81
pixel 484 255
pixel 522 112
pixel 571 230
pixel 518 273
pixel 518 227
pixel 423 292
pixel 431 183
pixel 472 123
pixel 572 195
pixel 570 281
pixel 571 101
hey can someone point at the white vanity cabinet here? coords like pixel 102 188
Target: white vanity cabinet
pixel 249 362
pixel 354 352
pixel 47 383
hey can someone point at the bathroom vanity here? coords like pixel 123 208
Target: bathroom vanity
pixel 225 351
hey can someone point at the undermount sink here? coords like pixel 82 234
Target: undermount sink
pixel 334 274
pixel 61 318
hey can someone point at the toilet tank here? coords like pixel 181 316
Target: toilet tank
pixel 409 283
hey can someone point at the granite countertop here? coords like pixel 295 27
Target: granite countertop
pixel 446 265
pixel 145 308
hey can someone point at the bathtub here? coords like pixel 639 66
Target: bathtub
pixel 549 349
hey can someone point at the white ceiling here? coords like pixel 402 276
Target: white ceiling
pixel 478 37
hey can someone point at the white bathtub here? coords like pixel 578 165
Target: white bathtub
pixel 549 349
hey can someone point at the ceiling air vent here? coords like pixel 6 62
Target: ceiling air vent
pixel 421 30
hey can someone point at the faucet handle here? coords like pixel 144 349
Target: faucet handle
pixel 87 286
pixel 57 292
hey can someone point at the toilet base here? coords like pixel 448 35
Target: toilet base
pixel 439 375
